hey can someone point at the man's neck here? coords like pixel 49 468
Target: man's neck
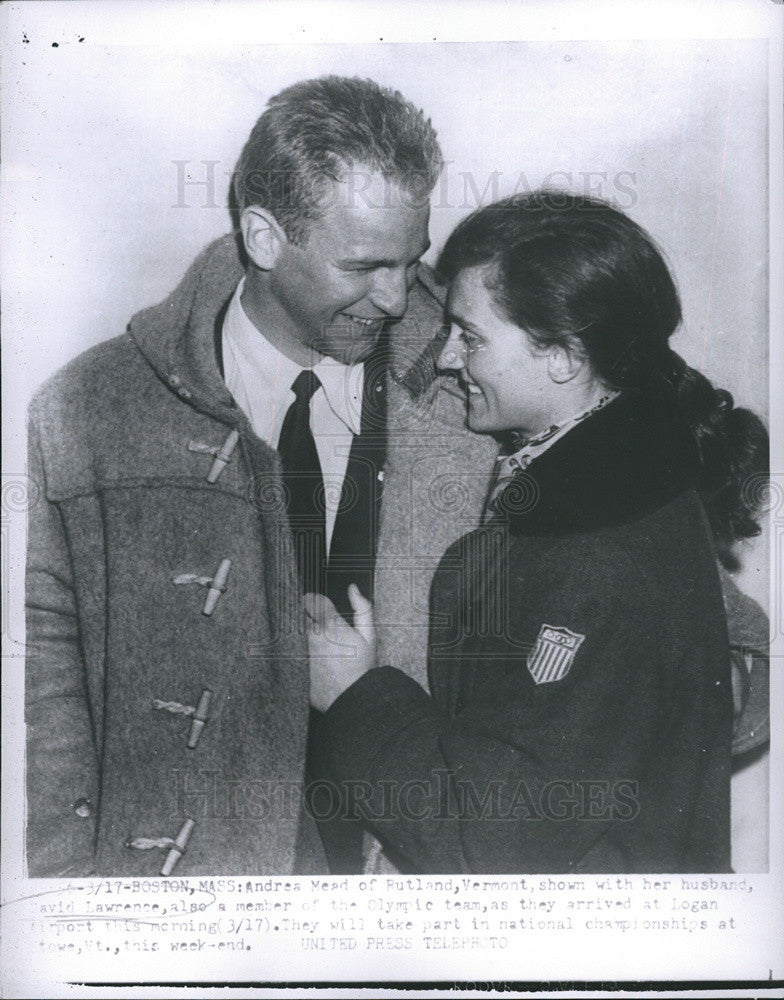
pixel 270 319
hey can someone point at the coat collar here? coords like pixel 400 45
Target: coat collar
pixel 624 462
pixel 178 336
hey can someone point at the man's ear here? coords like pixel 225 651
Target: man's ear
pixel 263 238
pixel 564 362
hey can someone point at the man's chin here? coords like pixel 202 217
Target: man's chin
pixel 479 424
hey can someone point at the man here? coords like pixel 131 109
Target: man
pixel 167 680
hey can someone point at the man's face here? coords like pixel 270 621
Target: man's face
pixel 355 268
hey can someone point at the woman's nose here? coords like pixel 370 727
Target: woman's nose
pixel 452 356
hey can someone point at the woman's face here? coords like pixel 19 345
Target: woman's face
pixel 506 378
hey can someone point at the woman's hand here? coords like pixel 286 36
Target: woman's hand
pixel 339 654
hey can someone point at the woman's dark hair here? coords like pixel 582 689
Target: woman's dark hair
pixel 575 271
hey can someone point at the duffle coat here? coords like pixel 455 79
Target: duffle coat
pixel 167 677
pixel 580 716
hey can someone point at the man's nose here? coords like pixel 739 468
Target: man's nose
pixel 390 291
pixel 452 356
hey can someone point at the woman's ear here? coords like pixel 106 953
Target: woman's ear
pixel 564 362
pixel 263 238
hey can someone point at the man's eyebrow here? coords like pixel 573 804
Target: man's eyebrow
pixel 365 262
pixel 379 261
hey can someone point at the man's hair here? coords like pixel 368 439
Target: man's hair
pixel 318 131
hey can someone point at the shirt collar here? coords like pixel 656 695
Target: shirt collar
pixel 264 362
pixel 343 389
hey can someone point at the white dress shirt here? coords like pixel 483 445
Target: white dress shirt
pixel 260 377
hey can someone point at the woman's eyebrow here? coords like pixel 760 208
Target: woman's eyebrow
pixel 461 321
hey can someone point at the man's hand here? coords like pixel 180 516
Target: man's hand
pixel 339 654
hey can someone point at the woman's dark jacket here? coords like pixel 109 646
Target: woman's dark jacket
pixel 581 708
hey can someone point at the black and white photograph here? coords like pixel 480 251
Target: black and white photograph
pixel 391 507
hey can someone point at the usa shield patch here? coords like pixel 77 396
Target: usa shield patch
pixel 553 654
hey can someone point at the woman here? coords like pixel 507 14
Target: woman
pixel 580 715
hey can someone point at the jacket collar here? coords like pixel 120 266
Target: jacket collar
pixel 177 337
pixel 626 461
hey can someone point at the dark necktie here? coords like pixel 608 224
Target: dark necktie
pixel 304 485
